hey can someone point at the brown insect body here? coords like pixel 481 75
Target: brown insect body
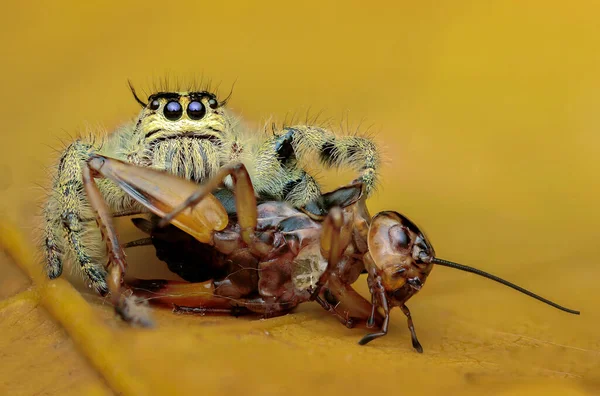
pixel 269 283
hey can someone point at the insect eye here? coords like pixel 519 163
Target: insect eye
pixel 196 110
pixel 173 110
pixel 213 103
pixel 398 237
pixel 154 105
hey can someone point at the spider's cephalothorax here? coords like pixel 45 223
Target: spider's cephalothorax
pixel 189 134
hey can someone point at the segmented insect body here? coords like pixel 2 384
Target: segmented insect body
pixel 191 135
pixel 270 282
pixel 295 258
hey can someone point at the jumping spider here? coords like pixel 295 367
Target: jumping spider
pixel 192 135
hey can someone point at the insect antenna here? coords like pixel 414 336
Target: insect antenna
pixel 466 268
pixel 137 99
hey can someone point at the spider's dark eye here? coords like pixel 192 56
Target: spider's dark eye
pixel 398 237
pixel 155 104
pixel 173 110
pixel 196 110
pixel 213 103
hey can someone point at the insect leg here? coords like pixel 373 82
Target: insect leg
pixel 233 310
pixel 116 257
pixel 346 320
pixel 415 342
pixel 371 321
pixel 350 301
pixel 181 294
pixel 138 242
pixel 330 246
pixel 245 203
pixel 160 192
pixel 117 264
pixel 200 298
pixel 386 310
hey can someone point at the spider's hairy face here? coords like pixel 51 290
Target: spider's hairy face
pixel 176 115
pixel 182 133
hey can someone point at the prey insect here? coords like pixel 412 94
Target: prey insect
pixel 271 258
pixel 280 244
pixel 302 257
pixel 190 134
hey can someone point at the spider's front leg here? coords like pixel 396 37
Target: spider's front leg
pixel 70 230
pixel 287 151
pixel 355 152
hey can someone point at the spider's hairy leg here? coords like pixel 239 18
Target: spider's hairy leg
pixel 70 230
pixel 356 152
pixel 278 175
pixel 65 231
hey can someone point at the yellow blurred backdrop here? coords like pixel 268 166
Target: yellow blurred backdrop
pixel 488 113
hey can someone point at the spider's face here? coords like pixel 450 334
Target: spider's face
pixel 175 115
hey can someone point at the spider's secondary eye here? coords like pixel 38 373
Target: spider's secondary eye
pixel 213 103
pixel 398 237
pixel 196 110
pixel 173 110
pixel 155 104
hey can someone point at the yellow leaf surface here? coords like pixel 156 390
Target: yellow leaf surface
pixel 295 354
pixel 488 115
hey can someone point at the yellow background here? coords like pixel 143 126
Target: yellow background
pixel 489 116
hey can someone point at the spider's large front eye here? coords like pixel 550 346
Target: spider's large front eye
pixel 173 110
pixel 154 105
pixel 196 110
